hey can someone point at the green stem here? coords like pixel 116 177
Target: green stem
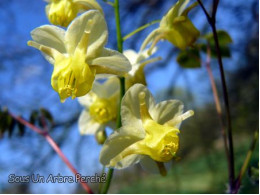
pixel 140 29
pixel 101 184
pixel 109 178
pixel 118 27
pixel 122 93
pixel 122 86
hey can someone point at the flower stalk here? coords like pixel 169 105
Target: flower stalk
pixel 140 29
pixel 122 85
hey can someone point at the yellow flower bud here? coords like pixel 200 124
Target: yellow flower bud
pixel 61 12
pixel 101 136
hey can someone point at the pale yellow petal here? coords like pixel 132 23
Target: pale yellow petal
pixel 150 39
pixel 87 99
pixel 130 108
pixel 114 145
pixel 167 110
pixel 88 4
pixel 50 36
pixel 174 12
pixel 111 62
pixel 131 56
pixel 92 22
pixel 108 88
pixel 86 124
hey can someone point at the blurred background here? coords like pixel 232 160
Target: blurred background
pixel 202 168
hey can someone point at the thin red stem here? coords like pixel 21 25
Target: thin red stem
pixel 217 103
pixel 53 144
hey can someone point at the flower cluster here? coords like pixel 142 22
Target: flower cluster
pixel 150 132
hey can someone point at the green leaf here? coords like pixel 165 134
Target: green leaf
pixel 224 50
pixel 21 129
pixel 189 58
pixel 3 122
pixel 47 115
pixel 223 37
pixel 224 40
pixel 34 116
pixel 10 125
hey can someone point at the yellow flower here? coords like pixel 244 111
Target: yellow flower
pixel 78 54
pixel 138 62
pixel 175 27
pixel 101 105
pixel 62 12
pixel 149 131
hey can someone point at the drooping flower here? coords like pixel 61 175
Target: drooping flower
pixel 62 12
pixel 138 62
pixel 78 54
pixel 175 27
pixel 101 106
pixel 149 131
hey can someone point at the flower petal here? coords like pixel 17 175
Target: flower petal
pixel 86 124
pixel 107 89
pixel 88 4
pixel 115 144
pixel 142 56
pixel 88 99
pixel 50 36
pixel 93 22
pixel 130 109
pixel 150 39
pixel 131 55
pixel 174 12
pixel 166 111
pixel 111 62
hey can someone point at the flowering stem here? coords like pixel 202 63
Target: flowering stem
pixel 53 144
pixel 140 29
pixel 118 27
pixel 217 103
pixel 101 184
pixel 212 21
pixel 122 93
pixel 122 85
